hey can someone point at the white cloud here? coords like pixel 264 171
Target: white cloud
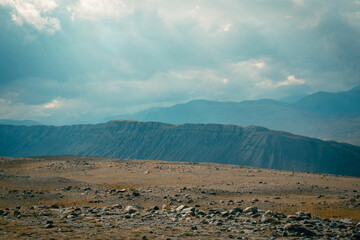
pixel 58 111
pixel 224 28
pixel 265 84
pixel 195 83
pixel 100 9
pixel 254 64
pixel 290 80
pixel 298 2
pixel 260 64
pixel 30 12
pixel 20 111
pixel 353 18
pixel 206 16
pixel 53 104
pixel 252 70
pixel 169 87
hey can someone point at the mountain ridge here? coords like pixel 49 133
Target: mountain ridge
pixel 314 115
pixel 25 122
pixel 229 144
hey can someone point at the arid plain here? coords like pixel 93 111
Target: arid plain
pixel 69 197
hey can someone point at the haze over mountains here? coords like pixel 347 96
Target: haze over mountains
pixel 19 122
pixel 252 146
pixel 323 115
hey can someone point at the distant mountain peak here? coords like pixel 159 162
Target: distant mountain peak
pixel 124 120
pixel 19 122
pixel 322 115
pixel 357 88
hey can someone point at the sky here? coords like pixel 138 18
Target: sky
pixel 81 61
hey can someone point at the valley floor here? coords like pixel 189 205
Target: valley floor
pixel 69 197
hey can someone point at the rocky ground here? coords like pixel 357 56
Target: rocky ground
pixel 69 197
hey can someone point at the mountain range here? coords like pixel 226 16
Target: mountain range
pixel 19 122
pixel 328 116
pixel 229 144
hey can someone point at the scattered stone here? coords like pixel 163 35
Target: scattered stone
pixel 3 213
pixel 16 213
pixel 154 208
pixel 211 218
pixel 269 213
pixel 180 208
pixel 347 221
pixel 235 211
pixel 266 219
pixel 118 206
pixel 251 210
pixel 215 211
pixel 137 206
pixel 251 225
pixel 299 230
pixel 201 213
pixel 189 210
pixel 135 193
pixel 303 215
pixel 55 206
pixel 130 209
pixel 48 225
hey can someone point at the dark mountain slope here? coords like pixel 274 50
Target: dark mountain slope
pixel 252 146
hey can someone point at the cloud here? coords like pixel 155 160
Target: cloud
pixel 248 65
pixel 252 70
pixel 20 111
pixel 100 9
pixel 97 99
pixel 53 104
pixel 299 2
pixel 119 56
pixel 30 12
pixel 204 16
pixel 290 80
pixel 354 18
pixel 57 112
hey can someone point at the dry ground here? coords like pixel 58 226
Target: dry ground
pixel 74 181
